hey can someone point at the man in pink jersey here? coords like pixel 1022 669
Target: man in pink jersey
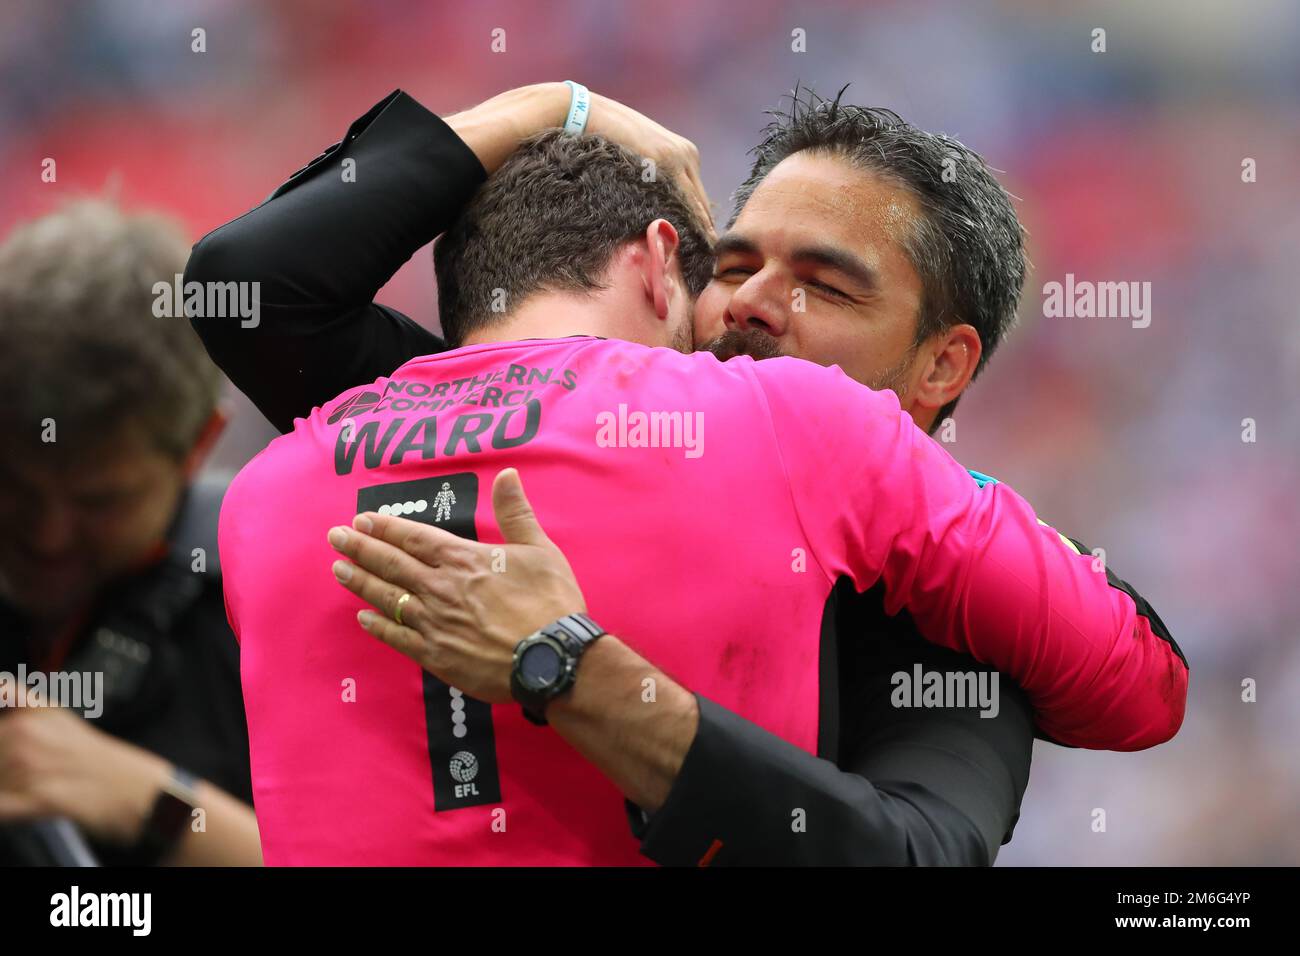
pixel 805 478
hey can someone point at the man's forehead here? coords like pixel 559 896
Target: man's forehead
pixel 811 195
pixel 121 454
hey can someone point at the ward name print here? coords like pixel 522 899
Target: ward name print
pixel 510 415
pixel 432 438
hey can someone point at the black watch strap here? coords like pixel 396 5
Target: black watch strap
pixel 171 814
pixel 580 626
pixel 575 633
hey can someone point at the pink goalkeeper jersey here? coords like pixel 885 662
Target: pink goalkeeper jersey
pixel 707 509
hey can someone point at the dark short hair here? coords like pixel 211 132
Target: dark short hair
pixel 551 218
pixel 79 340
pixel 967 248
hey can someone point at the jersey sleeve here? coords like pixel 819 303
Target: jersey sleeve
pixel 231 559
pixel 879 500
pixel 230 615
pixel 320 248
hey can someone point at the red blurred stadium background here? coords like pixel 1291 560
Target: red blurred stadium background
pixel 1127 165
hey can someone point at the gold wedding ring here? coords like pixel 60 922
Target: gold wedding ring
pixel 397 612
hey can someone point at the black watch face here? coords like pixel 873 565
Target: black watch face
pixel 540 666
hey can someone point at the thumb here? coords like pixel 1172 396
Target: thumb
pixel 514 514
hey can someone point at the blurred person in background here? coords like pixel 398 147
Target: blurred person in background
pixel 108 556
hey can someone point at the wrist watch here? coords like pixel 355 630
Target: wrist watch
pixel 546 662
pixel 171 814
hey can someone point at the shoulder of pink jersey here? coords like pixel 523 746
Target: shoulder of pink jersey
pixel 623 363
pixel 784 378
pixel 629 365
pixel 348 404
pixel 265 466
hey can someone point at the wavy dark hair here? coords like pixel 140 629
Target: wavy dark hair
pixel 551 218
pixel 968 246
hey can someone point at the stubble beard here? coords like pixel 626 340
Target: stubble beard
pixel 758 345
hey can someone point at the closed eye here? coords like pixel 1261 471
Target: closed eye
pixel 829 289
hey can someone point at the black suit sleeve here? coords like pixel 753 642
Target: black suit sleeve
pixel 321 246
pixel 914 787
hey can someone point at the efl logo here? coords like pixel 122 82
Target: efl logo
pixel 464 768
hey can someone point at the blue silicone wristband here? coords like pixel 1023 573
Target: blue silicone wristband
pixel 579 106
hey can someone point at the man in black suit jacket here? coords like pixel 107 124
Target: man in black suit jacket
pixel 894 786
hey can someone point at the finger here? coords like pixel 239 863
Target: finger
pixel 18 806
pixel 706 214
pixel 421 541
pixel 514 514
pixel 701 194
pixel 380 558
pixel 695 197
pixel 400 638
pixel 691 172
pixel 688 173
pixel 377 592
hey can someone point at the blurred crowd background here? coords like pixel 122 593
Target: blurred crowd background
pixel 1127 166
